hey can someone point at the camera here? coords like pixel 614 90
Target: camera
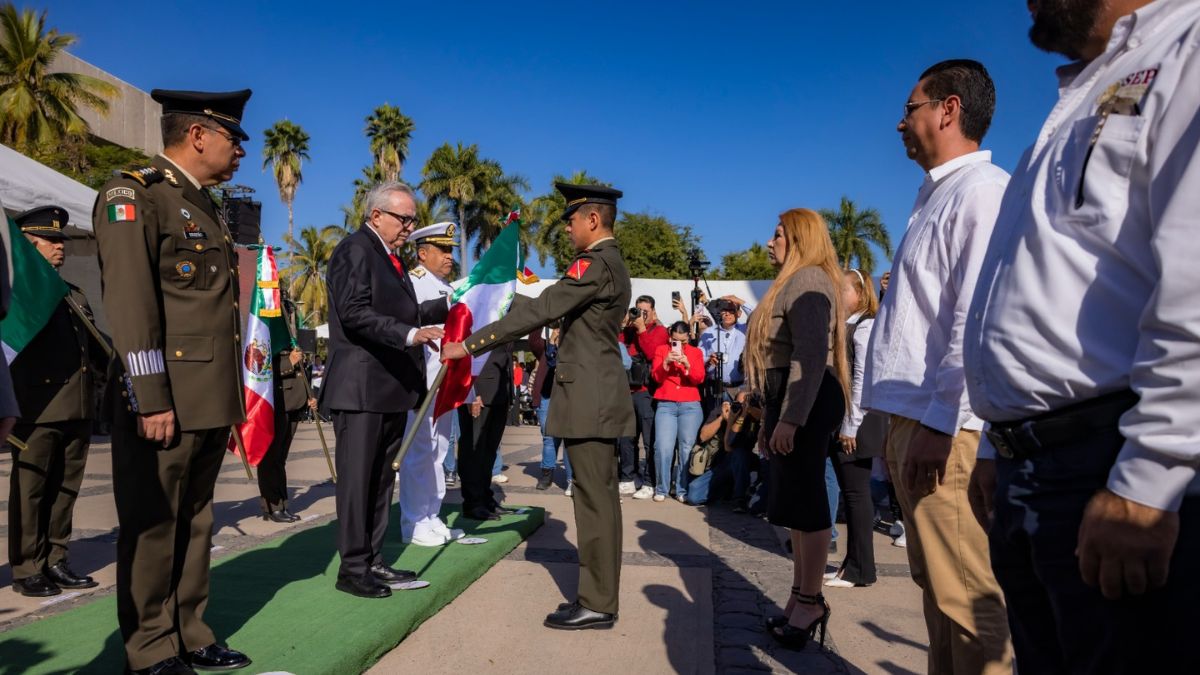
pixel 696 263
pixel 735 408
pixel 635 314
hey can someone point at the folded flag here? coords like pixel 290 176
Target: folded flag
pixel 265 335
pixel 36 291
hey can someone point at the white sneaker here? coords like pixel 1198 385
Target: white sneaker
pixel 901 541
pixel 625 487
pixel 567 492
pixel 660 498
pixel 682 499
pixel 428 539
pixel 499 478
pixel 896 530
pixel 839 583
pixel 644 492
pixel 455 534
pixel 831 575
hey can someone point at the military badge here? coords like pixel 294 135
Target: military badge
pixel 120 213
pixel 171 177
pixel 578 269
pixel 450 230
pixel 185 213
pixel 119 193
pixel 185 269
pixel 146 176
pixel 192 231
pixel 417 272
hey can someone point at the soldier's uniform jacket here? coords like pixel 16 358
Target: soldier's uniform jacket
pixel 55 375
pixel 591 392
pixel 290 391
pixel 169 274
pixel 429 287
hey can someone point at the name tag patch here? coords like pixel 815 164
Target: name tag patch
pixel 192 231
pixel 1125 96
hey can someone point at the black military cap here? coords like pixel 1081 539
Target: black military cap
pixel 578 195
pixel 43 221
pixel 224 107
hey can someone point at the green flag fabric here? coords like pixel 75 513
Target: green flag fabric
pixel 36 291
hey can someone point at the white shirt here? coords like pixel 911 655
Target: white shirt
pixel 914 363
pixel 862 337
pixel 429 286
pixel 1075 302
pixel 731 343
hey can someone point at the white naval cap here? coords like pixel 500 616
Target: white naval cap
pixel 441 234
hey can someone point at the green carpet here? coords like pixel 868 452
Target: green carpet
pixel 276 603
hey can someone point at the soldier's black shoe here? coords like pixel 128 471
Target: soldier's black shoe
pixel 546 480
pixel 63 577
pixel 365 586
pixel 501 510
pixel 36 586
pixel 390 575
pixel 216 657
pixel 280 516
pixel 171 666
pixel 480 514
pixel 577 617
pixel 291 516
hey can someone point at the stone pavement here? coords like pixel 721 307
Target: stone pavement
pixel 696 582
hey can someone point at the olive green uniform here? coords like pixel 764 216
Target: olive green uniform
pixel 53 378
pixel 169 274
pixel 590 403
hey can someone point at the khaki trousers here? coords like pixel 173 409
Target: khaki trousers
pixel 597 521
pixel 948 557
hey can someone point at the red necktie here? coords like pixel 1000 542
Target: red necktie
pixel 397 264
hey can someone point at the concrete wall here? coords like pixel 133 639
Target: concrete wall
pixel 133 117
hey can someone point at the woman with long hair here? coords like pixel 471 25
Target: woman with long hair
pixel 860 440
pixel 796 356
pixel 679 371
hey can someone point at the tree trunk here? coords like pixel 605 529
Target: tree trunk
pixel 464 254
pixel 289 205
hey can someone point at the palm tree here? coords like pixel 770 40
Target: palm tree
pixel 430 212
pixel 545 215
pixel 853 231
pixel 36 106
pixel 456 175
pixel 285 147
pixel 500 195
pixel 305 268
pixel 389 131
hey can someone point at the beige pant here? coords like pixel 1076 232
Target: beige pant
pixel 949 559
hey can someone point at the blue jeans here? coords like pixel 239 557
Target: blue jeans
pixel 549 443
pixel 832 491
pixel 676 426
pixel 451 461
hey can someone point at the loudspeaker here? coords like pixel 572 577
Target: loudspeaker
pixel 307 339
pixel 244 217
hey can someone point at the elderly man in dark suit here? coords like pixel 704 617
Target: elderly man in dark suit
pixel 374 375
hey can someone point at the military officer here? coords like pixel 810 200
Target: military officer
pixel 591 404
pixel 170 282
pixel 291 399
pixel 422 482
pixel 53 380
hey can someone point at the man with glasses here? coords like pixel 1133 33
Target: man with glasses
pixel 914 370
pixel 722 345
pixel 375 374
pixel 170 282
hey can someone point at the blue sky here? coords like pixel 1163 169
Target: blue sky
pixel 716 115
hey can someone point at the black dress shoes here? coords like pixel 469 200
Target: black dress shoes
pixel 280 516
pixel 291 516
pixel 502 510
pixel 216 657
pixel 546 480
pixel 364 586
pixel 575 616
pixel 390 575
pixel 480 514
pixel 171 666
pixel 63 577
pixel 36 586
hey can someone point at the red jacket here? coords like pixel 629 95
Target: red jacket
pixel 675 383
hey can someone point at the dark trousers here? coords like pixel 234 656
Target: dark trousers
pixel 43 486
pixel 643 410
pixel 367 444
pixel 164 509
pixel 272 472
pixel 478 442
pixel 1059 624
pixel 854 479
pixel 597 521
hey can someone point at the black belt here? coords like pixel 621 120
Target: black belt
pixel 1019 439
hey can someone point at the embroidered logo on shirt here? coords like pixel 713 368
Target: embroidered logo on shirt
pixel 1124 97
pixel 578 269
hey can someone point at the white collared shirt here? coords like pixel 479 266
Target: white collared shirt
pixel 862 338
pixel 731 343
pixel 914 363
pixel 1090 285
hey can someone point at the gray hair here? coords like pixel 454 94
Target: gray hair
pixel 377 196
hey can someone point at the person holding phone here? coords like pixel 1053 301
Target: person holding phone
pixel 679 371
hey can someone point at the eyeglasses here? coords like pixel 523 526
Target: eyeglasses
pixel 233 140
pixel 910 107
pixel 406 221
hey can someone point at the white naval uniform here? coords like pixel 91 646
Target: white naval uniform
pixel 422 483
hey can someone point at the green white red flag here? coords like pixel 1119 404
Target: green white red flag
pixel 262 339
pixel 36 291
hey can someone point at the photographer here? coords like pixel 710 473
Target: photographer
pixel 642 336
pixel 679 370
pixel 724 454
pixel 722 346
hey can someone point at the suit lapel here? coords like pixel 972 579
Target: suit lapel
pixel 376 245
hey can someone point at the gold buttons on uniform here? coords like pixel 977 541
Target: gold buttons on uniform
pixel 199 247
pixel 178 353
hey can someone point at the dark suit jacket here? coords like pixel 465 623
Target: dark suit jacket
pixel 372 308
pixel 494 385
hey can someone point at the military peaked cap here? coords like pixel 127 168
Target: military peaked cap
pixel 224 108
pixel 44 221
pixel 578 195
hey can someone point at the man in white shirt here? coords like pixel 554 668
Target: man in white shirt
pixel 722 346
pixel 914 368
pixel 1083 350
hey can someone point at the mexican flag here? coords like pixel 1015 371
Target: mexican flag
pixel 36 291
pixel 481 298
pixel 265 335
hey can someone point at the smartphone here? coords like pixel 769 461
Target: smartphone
pixel 675 297
pixel 676 346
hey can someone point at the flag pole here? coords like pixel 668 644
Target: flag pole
pixel 316 415
pixel 16 443
pixel 424 408
pixel 237 437
pixel 90 326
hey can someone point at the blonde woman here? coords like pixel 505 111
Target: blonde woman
pixel 796 355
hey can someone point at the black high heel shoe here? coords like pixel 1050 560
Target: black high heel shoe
pixel 791 637
pixel 781 620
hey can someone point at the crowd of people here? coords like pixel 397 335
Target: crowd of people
pixel 1024 384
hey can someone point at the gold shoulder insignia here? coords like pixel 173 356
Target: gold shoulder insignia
pixel 418 272
pixel 147 176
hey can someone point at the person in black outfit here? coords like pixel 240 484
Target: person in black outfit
pixel 291 399
pixel 481 426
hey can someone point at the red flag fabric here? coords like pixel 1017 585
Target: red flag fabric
pixel 459 379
